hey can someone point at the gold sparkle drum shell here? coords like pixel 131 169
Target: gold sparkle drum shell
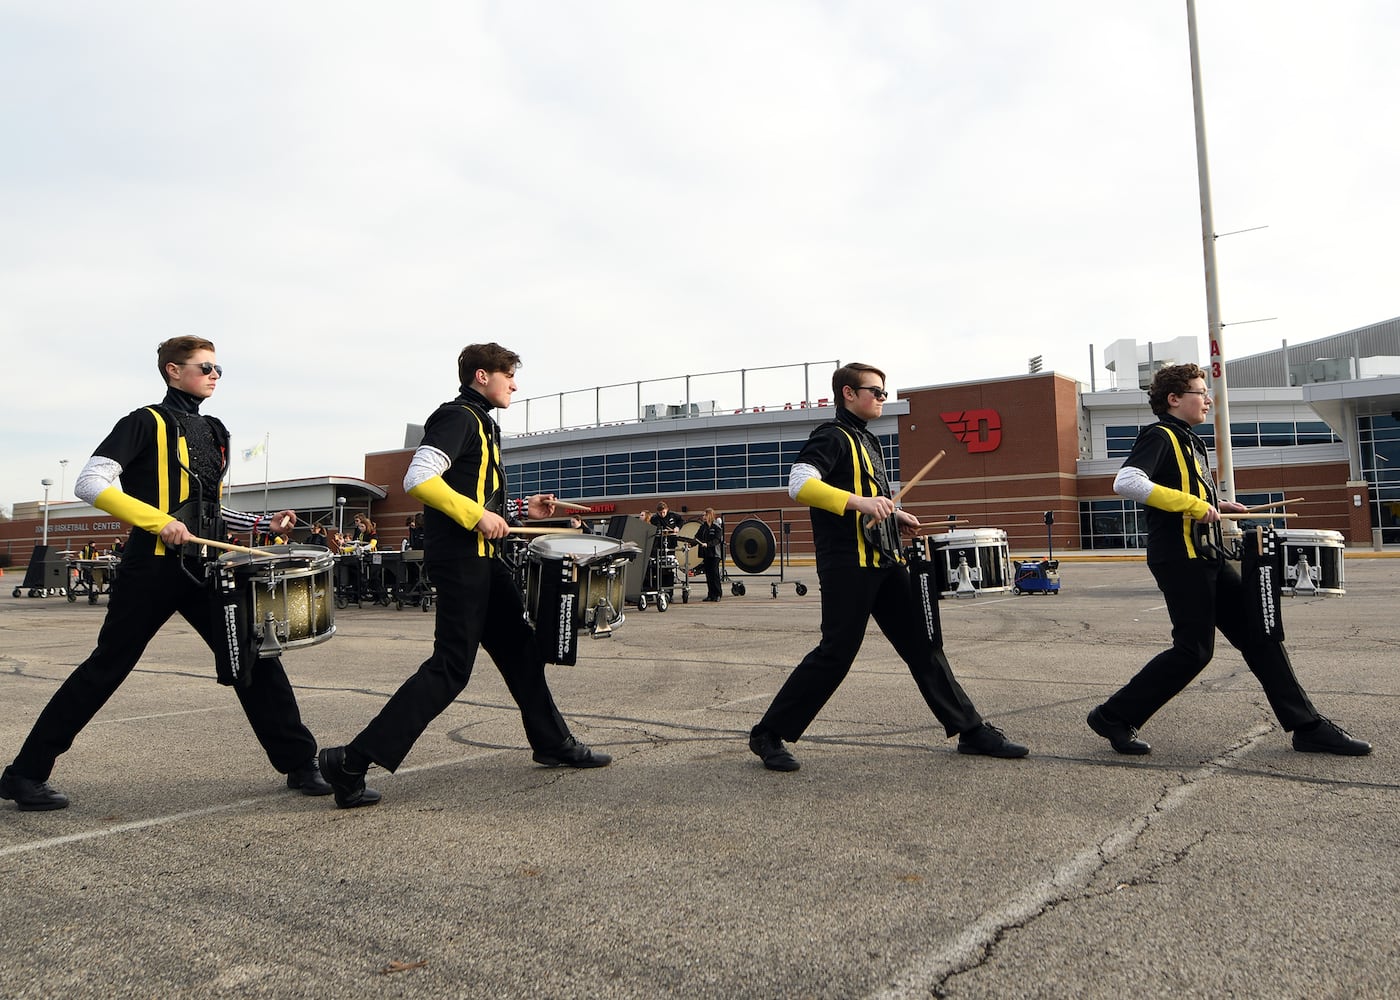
pixel 293 596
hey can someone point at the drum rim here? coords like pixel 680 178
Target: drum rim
pixel 597 545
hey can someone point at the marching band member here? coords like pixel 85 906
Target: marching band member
pixel 1168 471
pixel 457 474
pixel 171 462
pixel 711 539
pixel 840 475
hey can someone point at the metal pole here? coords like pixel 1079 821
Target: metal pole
pixel 1224 457
pixel 46 483
pixel 62 477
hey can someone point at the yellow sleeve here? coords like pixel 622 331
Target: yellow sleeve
pixel 1177 502
pixel 815 493
pixel 132 511
pixel 437 494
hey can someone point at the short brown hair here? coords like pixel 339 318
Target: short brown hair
pixel 177 349
pixel 485 357
pixel 1168 380
pixel 849 375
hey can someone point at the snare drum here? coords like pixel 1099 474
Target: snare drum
pixel 1312 561
pixel 290 592
pixel 595 563
pixel 971 560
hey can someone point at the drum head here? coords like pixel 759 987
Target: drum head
pixel 279 555
pixel 582 549
pixel 690 529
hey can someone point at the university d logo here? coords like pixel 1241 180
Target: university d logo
pixel 980 430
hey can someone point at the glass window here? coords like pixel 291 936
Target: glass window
pixel 1244 435
pixel 1277 434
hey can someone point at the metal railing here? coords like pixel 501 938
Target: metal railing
pixel 677 397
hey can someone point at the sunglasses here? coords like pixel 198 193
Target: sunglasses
pixel 874 390
pixel 205 367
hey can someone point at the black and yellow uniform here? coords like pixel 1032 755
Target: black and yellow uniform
pixel 171 462
pixel 858 581
pixel 1203 590
pixel 478 604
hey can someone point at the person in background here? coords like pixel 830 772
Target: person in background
pixel 711 539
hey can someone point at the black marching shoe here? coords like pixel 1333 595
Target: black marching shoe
pixel 349 787
pixel 1122 736
pixel 989 741
pixel 308 780
pixel 769 747
pixel 1325 737
pixel 30 795
pixel 572 753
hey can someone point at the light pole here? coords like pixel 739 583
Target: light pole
pixel 46 483
pixel 340 503
pixel 62 477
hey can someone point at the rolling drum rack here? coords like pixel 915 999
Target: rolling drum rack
pixel 752 548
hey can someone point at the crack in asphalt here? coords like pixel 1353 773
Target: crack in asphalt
pixel 976 945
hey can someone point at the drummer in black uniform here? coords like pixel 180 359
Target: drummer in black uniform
pixel 457 474
pixel 1169 473
pixel 167 503
pixel 840 475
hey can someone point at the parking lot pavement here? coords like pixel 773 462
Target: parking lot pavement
pixel 1224 863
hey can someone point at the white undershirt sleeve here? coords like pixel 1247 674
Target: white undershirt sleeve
pixel 427 463
pixel 1132 482
pixel 801 472
pixel 96 476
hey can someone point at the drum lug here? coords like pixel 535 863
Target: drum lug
pixel 268 643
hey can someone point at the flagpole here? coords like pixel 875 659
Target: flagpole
pixel 266 459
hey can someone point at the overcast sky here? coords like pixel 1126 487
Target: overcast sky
pixel 342 195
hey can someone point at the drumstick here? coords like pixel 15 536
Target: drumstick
pixel 546 531
pixel 920 475
pixel 1277 503
pixel 229 547
pixel 936 524
pixel 583 507
pixel 1254 517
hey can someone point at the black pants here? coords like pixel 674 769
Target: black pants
pixel 849 598
pixel 1201 597
pixel 144 596
pixel 477 605
pixel 713 576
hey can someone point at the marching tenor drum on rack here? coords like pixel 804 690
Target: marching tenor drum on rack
pixel 281 597
pixel 574 582
pixel 970 561
pixel 1312 561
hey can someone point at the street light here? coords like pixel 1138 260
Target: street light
pixel 340 502
pixel 62 477
pixel 46 484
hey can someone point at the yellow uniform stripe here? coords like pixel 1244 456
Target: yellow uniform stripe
pixel 1185 475
pixel 162 472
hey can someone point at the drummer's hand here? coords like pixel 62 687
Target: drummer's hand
pixel 541 505
pixel 1210 516
pixel 876 508
pixel 493 525
pixel 1231 507
pixel 175 533
pixel 908 523
pixel 282 521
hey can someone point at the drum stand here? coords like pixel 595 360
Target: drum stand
pixel 662 559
